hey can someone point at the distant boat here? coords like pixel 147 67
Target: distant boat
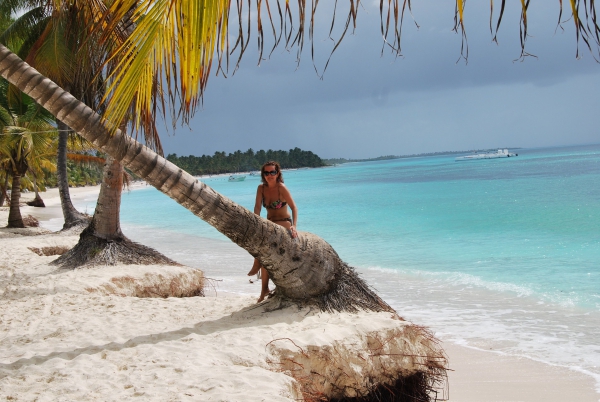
pixel 502 153
pixel 237 178
pixel 255 173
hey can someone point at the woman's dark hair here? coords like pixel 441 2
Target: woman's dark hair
pixel 277 167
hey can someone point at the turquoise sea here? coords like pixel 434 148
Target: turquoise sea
pixel 501 255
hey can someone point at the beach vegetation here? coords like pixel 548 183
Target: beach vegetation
pixel 239 161
pixel 27 145
pixel 82 172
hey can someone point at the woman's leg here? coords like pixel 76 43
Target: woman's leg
pixel 264 292
pixel 255 268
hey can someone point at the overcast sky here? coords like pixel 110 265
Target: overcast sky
pixel 368 105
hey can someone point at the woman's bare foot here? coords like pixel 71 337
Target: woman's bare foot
pixel 264 295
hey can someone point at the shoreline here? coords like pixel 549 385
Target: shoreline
pixel 478 375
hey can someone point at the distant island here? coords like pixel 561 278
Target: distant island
pixel 248 161
pixel 296 158
pixel 337 161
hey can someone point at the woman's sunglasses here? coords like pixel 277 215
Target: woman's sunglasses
pixel 270 172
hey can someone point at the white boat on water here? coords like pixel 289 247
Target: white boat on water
pixel 502 153
pixel 237 178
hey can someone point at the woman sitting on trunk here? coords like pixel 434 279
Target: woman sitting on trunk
pixel 275 197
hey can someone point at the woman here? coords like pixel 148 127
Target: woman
pixel 275 197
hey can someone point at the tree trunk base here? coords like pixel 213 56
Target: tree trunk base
pixel 92 251
pixel 350 294
pixel 77 220
pixel 37 202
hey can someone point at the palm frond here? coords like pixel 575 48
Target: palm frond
pixel 459 23
pixel 51 55
pixel 25 26
pixel 175 43
pixel 171 37
pixel 5 115
pixel 79 144
pixel 586 28
pixel 48 165
pixel 83 158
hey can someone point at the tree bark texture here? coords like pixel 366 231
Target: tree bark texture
pixel 303 268
pixel 71 215
pixel 106 220
pixel 15 220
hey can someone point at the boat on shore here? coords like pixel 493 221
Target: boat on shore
pixel 501 153
pixel 236 178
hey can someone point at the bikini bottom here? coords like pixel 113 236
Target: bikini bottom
pixel 282 220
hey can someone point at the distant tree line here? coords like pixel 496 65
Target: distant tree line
pixel 78 174
pixel 244 161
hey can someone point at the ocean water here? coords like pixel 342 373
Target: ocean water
pixel 501 255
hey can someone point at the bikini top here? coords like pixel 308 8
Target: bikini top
pixel 275 204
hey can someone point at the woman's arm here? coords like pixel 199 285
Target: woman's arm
pixel 258 202
pixel 290 201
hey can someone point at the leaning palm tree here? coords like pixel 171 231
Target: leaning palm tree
pixel 304 269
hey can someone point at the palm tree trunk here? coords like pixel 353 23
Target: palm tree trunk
pixel 102 242
pixel 71 215
pixel 106 220
pixel 15 220
pixel 306 268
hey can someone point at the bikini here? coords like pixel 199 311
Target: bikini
pixel 275 205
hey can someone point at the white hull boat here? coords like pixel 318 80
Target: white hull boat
pixel 502 153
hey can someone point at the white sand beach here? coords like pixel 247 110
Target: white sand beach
pixel 86 334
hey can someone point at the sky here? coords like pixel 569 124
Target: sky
pixel 368 104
